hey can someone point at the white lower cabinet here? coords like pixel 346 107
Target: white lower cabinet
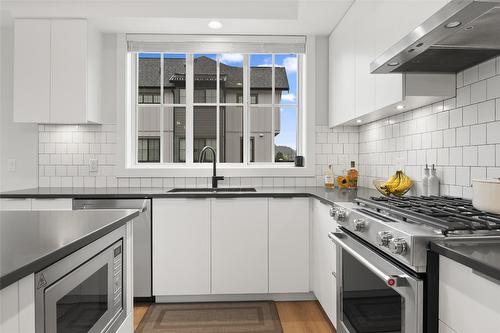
pixel 324 256
pixel 181 246
pixel 239 246
pixel 17 306
pixel 288 245
pixel 468 302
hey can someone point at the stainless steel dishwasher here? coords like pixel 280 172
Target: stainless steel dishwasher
pixel 141 238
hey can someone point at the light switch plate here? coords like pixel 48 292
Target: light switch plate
pixel 93 165
pixel 11 165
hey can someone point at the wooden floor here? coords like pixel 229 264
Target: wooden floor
pixel 296 317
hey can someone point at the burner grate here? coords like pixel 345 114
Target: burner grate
pixel 449 214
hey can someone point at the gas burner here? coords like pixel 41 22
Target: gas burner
pixel 451 215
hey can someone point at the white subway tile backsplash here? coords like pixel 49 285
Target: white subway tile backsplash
pixel 493 87
pixel 470 115
pixel 487 69
pixel 493 132
pixel 463 176
pixel 470 156
pixel 456 117
pixel 471 75
pixel 463 136
pixel 463 96
pixel 478 92
pixel 478 134
pixel 486 111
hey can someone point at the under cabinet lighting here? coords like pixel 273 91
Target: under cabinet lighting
pixel 359 121
pixel 453 24
pixel 400 107
pixel 215 24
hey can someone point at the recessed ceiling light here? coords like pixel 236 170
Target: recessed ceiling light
pixel 393 63
pixel 359 121
pixel 400 107
pixel 214 24
pixel 453 24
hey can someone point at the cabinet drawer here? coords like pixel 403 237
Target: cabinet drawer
pixel 15 204
pixel 51 204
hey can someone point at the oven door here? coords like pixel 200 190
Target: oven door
pixel 374 295
pixel 89 298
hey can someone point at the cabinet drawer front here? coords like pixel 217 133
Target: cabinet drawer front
pixel 52 204
pixel 15 204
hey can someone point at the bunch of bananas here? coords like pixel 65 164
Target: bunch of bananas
pixel 398 184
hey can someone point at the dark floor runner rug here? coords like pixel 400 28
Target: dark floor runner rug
pixel 226 317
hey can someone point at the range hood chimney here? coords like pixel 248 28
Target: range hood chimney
pixel 461 34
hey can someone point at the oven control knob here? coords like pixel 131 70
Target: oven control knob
pixel 384 237
pixel 340 214
pixel 398 245
pixel 333 210
pixel 359 224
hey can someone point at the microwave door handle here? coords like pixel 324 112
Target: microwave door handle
pixel 390 280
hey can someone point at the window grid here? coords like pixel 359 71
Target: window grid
pixel 249 100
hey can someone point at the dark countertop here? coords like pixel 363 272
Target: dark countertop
pixel 481 254
pixel 325 195
pixel 33 240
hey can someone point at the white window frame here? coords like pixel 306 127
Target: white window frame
pixel 127 165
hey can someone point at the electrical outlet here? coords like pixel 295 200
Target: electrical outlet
pixel 11 165
pixel 93 165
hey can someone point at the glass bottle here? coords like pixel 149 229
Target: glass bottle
pixel 329 182
pixel 352 176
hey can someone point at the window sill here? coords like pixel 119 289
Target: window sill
pixel 227 170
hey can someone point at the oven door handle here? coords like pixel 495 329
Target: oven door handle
pixel 390 280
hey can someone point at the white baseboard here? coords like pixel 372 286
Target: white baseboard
pixel 235 298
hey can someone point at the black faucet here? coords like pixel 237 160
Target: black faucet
pixel 215 178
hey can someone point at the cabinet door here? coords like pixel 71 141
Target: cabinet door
pixel 181 246
pixel 68 94
pixel 239 246
pixel 288 245
pixel 343 62
pixel 461 290
pixel 51 204
pixel 324 259
pixel 31 70
pixel 15 204
pixel 365 53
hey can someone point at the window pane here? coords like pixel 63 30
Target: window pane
pixel 148 127
pixel 204 131
pixel 205 78
pixel 174 69
pixel 286 78
pixel 261 134
pixel 149 78
pixel 174 134
pixel 261 78
pixel 231 134
pixel 285 141
pixel 231 77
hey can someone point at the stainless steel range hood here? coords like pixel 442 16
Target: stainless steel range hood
pixel 458 36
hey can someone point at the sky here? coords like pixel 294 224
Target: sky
pixel 288 130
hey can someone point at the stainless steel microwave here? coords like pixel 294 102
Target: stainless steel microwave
pixel 84 292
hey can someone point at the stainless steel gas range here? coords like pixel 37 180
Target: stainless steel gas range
pixel 384 279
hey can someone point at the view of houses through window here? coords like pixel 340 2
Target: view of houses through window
pixel 226 104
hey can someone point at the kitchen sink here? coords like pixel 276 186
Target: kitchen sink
pixel 219 189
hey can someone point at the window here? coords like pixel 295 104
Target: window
pixel 246 106
pixel 148 150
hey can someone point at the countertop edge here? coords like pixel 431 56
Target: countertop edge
pixel 476 265
pixel 62 252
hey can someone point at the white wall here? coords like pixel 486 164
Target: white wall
pixel 17 141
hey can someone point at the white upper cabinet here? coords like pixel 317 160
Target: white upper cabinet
pixel 66 71
pixel 367 30
pixel 32 69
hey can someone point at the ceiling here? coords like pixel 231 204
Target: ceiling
pixel 192 16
